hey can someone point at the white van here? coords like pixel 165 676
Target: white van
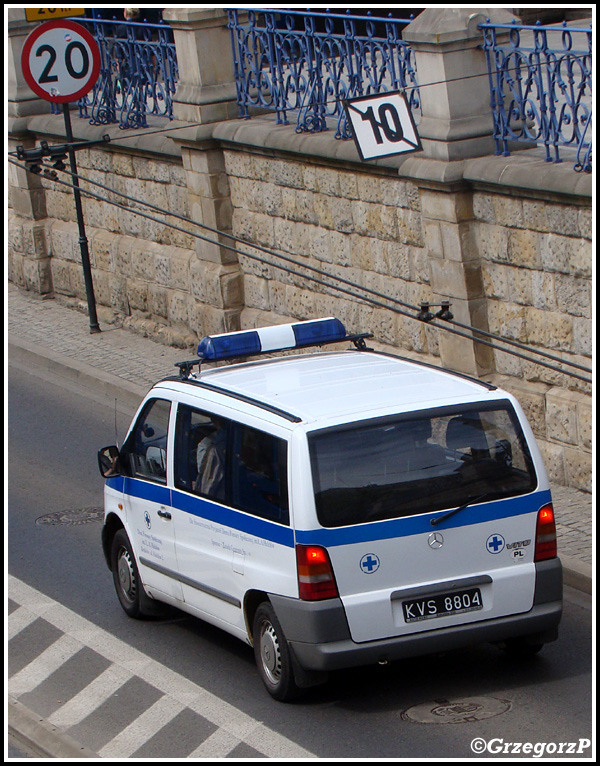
pixel 333 508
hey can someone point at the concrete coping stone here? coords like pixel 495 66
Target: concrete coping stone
pixel 525 169
pixel 528 169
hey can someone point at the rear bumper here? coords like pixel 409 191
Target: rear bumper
pixel 541 621
pixel 320 640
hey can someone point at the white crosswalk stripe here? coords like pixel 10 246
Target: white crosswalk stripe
pixel 145 726
pixel 89 699
pixel 18 621
pixel 218 745
pixel 233 727
pixel 44 664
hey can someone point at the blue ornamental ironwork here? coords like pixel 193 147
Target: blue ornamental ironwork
pixel 138 73
pixel 309 63
pixel 541 88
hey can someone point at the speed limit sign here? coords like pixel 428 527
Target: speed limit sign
pixel 60 61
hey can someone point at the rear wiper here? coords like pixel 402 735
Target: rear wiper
pixel 470 501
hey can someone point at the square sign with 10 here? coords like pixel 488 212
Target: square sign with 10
pixel 382 125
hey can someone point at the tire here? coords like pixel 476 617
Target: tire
pixel 272 655
pixel 126 578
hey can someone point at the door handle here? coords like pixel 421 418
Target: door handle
pixel 164 514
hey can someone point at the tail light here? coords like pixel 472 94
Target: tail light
pixel 545 534
pixel 315 573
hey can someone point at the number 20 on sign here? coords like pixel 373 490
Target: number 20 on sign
pixel 382 125
pixel 60 61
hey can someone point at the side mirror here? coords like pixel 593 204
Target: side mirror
pixel 109 462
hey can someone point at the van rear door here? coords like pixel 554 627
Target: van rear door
pixel 429 518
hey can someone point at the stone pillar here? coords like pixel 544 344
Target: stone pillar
pixel 206 89
pixel 455 274
pixel 456 125
pixel 28 250
pixel 21 101
pixel 456 120
pixel 26 193
pixel 216 280
pixel 206 93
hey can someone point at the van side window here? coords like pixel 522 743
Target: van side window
pixel 259 474
pixel 250 475
pixel 201 452
pixel 145 450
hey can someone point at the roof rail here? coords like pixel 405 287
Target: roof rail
pixel 437 368
pixel 265 340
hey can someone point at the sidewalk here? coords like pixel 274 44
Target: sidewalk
pixel 58 339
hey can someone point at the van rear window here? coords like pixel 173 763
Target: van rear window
pixel 406 465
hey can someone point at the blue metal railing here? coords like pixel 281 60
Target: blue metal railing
pixel 308 63
pixel 138 73
pixel 541 88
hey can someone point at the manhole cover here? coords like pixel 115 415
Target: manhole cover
pixel 463 710
pixel 72 518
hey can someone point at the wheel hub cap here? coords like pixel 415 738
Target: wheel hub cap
pixel 269 652
pixel 126 578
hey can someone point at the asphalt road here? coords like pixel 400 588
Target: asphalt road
pixel 178 686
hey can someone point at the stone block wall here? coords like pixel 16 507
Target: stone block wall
pixel 141 267
pixel 537 273
pixel 360 227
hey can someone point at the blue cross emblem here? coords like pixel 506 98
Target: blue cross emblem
pixel 147 519
pixel 495 543
pixel 369 563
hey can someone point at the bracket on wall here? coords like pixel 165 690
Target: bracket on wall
pixel 425 315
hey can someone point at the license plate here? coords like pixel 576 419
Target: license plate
pixel 442 605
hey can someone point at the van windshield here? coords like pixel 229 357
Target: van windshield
pixel 406 465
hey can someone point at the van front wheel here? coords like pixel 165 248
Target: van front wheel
pixel 272 655
pixel 128 585
pixel 125 574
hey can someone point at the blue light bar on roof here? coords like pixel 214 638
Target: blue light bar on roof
pixel 214 348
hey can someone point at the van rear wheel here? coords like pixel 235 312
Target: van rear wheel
pixel 272 655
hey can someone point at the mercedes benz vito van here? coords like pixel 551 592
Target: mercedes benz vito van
pixel 332 508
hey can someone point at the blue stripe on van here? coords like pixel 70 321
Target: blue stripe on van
pixel 116 483
pixel 228 517
pixel 414 525
pixel 205 509
pixel 147 490
pixel 360 533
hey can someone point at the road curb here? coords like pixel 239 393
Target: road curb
pixel 54 364
pixel 576 574
pixel 42 737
